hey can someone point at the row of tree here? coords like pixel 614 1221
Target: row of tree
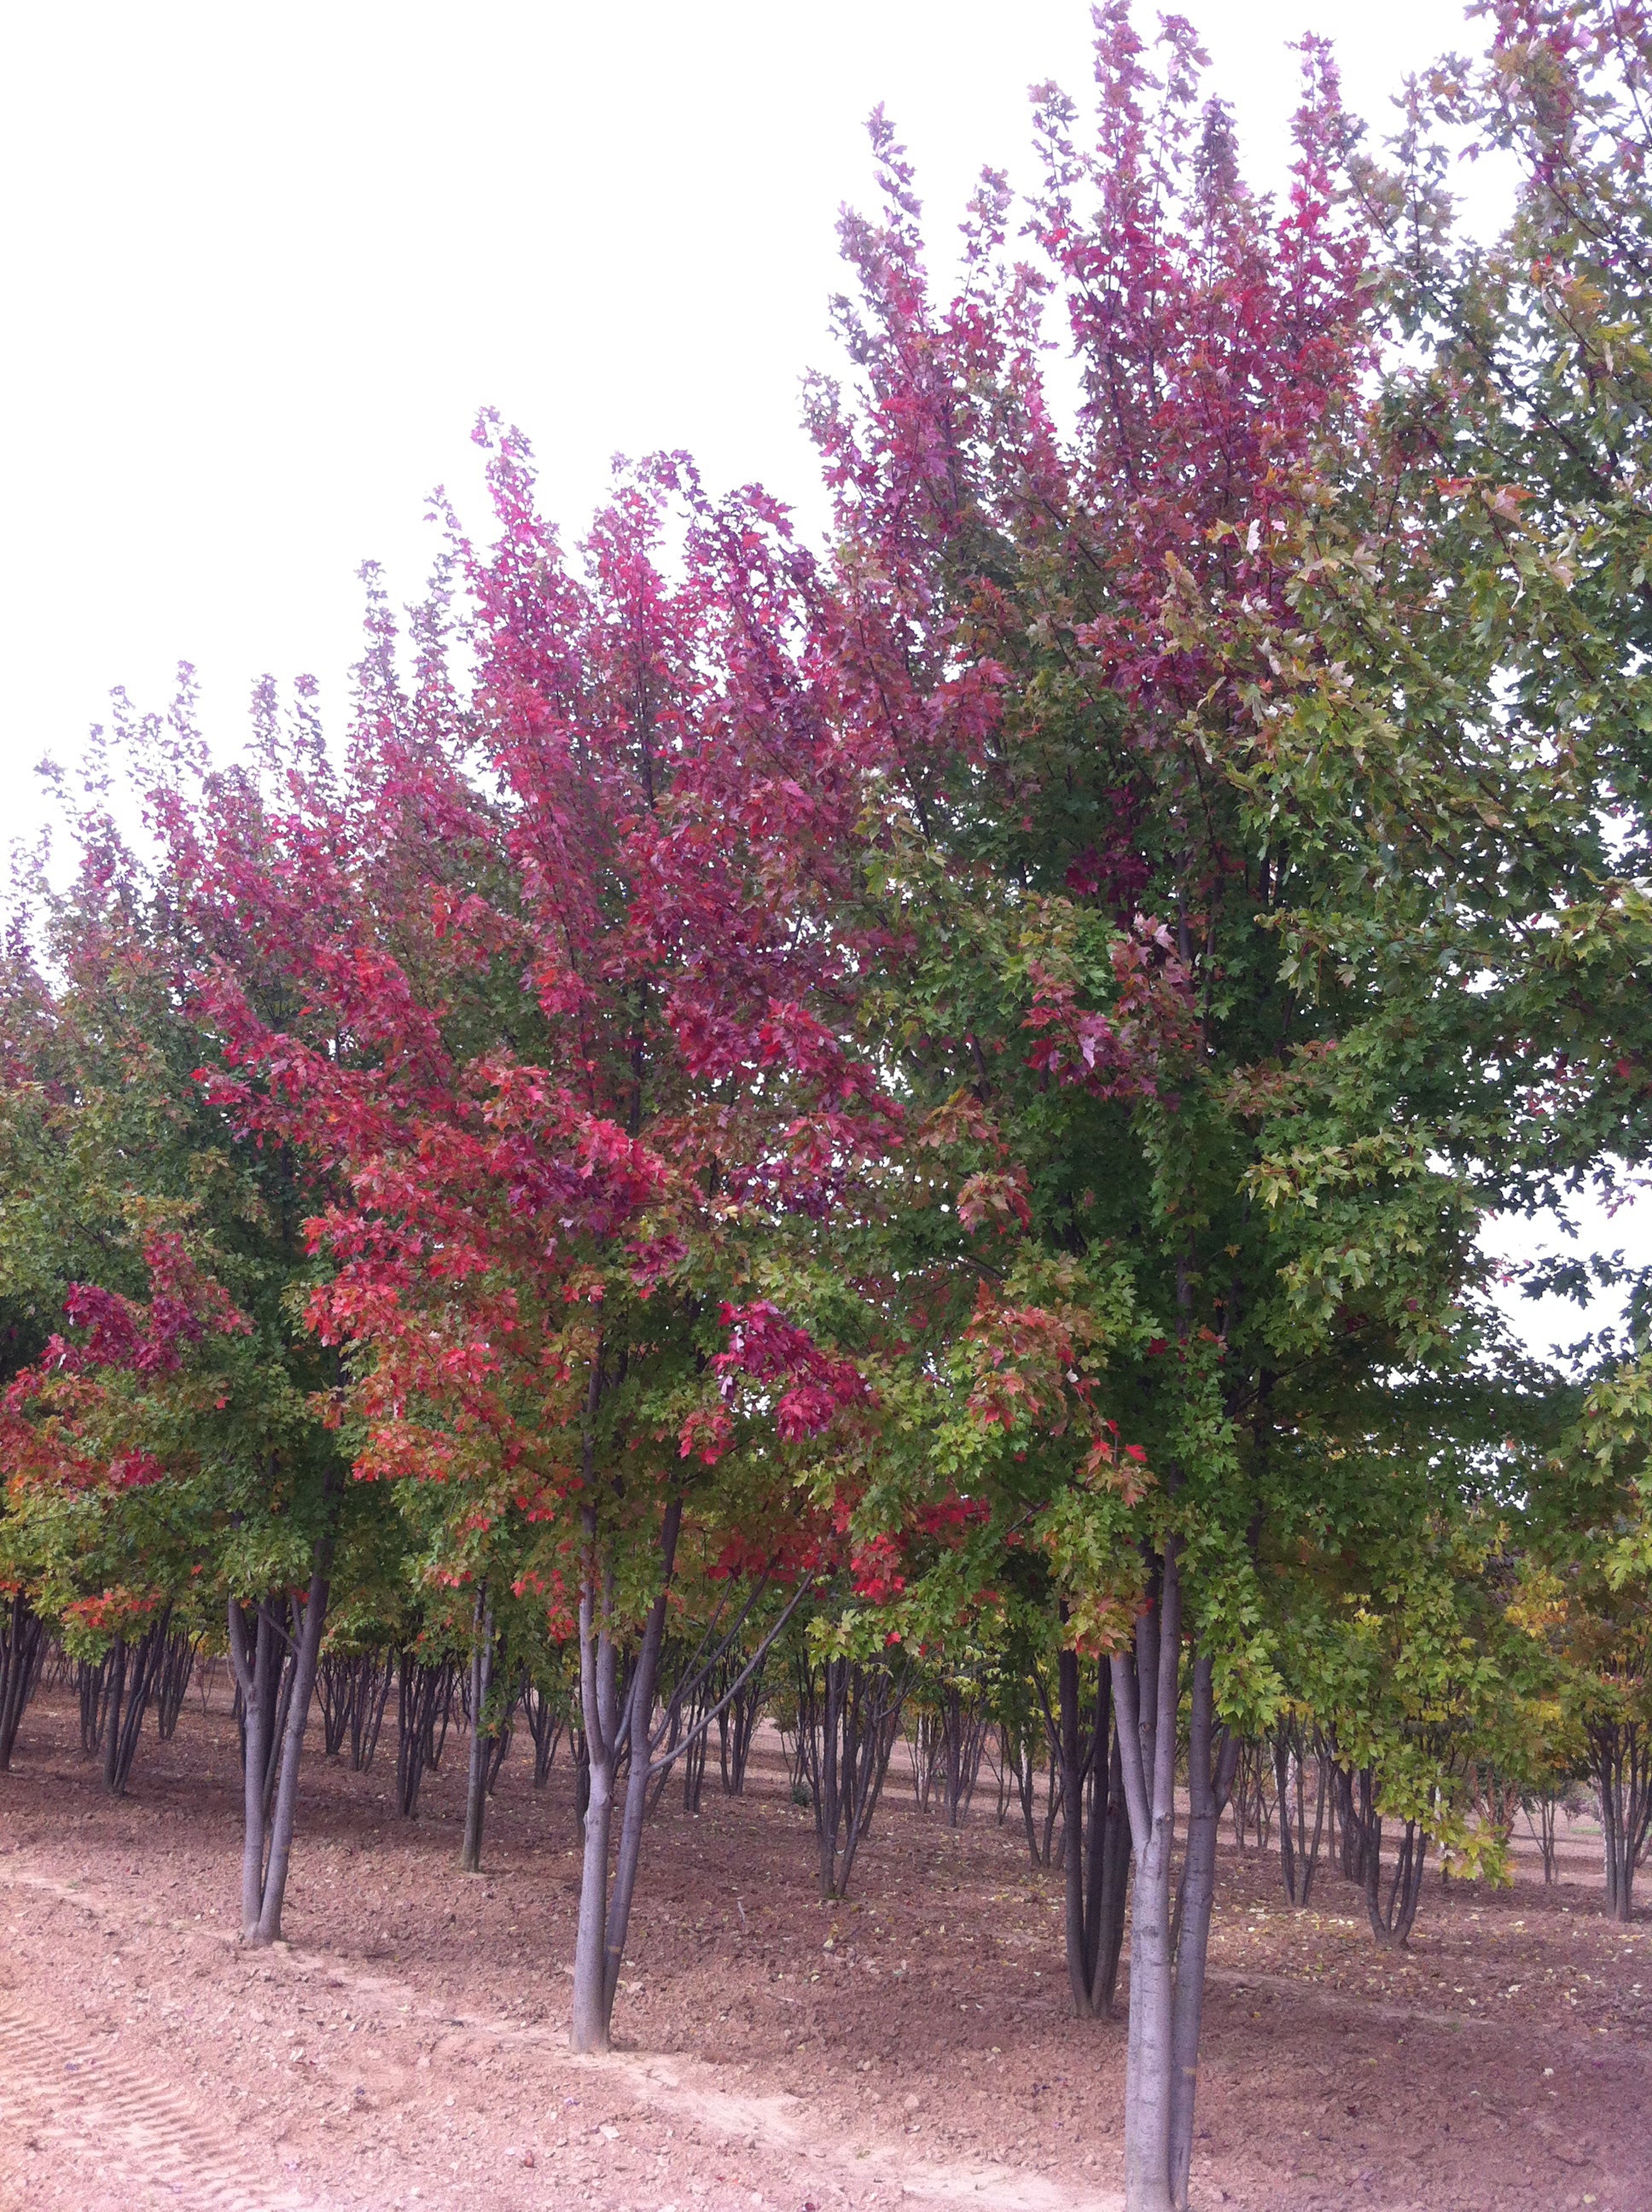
pixel 942 1090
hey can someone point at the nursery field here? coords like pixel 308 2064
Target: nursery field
pixel 407 2048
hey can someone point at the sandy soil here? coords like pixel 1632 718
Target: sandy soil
pixel 407 2049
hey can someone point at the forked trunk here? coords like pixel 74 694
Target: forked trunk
pixel 546 1721
pixel 1620 1752
pixel 1392 1914
pixel 1622 1761
pixel 737 1722
pixel 848 1717
pixel 609 1730
pixel 598 1702
pixel 22 1649
pixel 275 1672
pixel 1299 1844
pixel 1167 1975
pixel 172 1685
pixel 1096 1859
pixel 135 1673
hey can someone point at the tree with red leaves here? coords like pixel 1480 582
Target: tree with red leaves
pixel 164 1458
pixel 567 1031
pixel 1164 812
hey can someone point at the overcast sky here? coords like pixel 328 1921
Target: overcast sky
pixel 261 266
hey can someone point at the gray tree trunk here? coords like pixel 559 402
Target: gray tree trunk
pixel 276 1691
pixel 1168 1953
pixel 598 1699
pixel 1211 1757
pixel 1144 1692
pixel 476 1781
pixel 285 1811
pixel 1621 1756
pixel 252 1671
pixel 22 1649
pixel 599 1941
pixel 640 1706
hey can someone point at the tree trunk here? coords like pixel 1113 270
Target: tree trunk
pixel 1096 1858
pixel 1166 1984
pixel 285 1811
pixel 476 1780
pixel 848 1717
pixel 1392 1918
pixel 252 1673
pixel 1620 1754
pixel 1145 1690
pixel 1211 1753
pixel 117 1691
pixel 276 1687
pixel 546 1720
pixel 737 1722
pixel 1354 1795
pixel 1115 1889
pixel 137 1672
pixel 599 1943
pixel 638 1724
pixel 172 1685
pixel 22 1649
pixel 1299 1848
pixel 597 1702
pixel 92 1689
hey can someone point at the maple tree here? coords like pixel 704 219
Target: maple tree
pixel 1193 818
pixel 163 1449
pixel 1528 399
pixel 572 1151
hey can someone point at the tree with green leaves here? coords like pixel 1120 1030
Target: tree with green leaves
pixel 165 1447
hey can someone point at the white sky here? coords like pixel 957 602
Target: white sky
pixel 262 265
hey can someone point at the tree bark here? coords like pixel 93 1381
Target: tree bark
pixel 1167 1968
pixel 1144 1689
pixel 1095 1857
pixel 1114 1888
pixel 136 1677
pixel 276 1689
pixel 253 1679
pixel 638 1721
pixel 1621 1756
pixel 285 1812
pixel 112 1723
pixel 612 1728
pixel 847 1721
pixel 22 1652
pixel 597 1702
pixel 1392 1920
pixel 1212 1755
pixel 476 1780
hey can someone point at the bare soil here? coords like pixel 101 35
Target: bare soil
pixel 406 2049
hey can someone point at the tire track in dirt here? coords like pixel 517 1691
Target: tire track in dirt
pixel 675 2089
pixel 138 2130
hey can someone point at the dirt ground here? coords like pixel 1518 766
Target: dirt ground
pixel 406 2051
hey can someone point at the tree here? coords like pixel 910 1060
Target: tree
pixel 560 1032
pixel 1190 819
pixel 163 1441
pixel 1584 1598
